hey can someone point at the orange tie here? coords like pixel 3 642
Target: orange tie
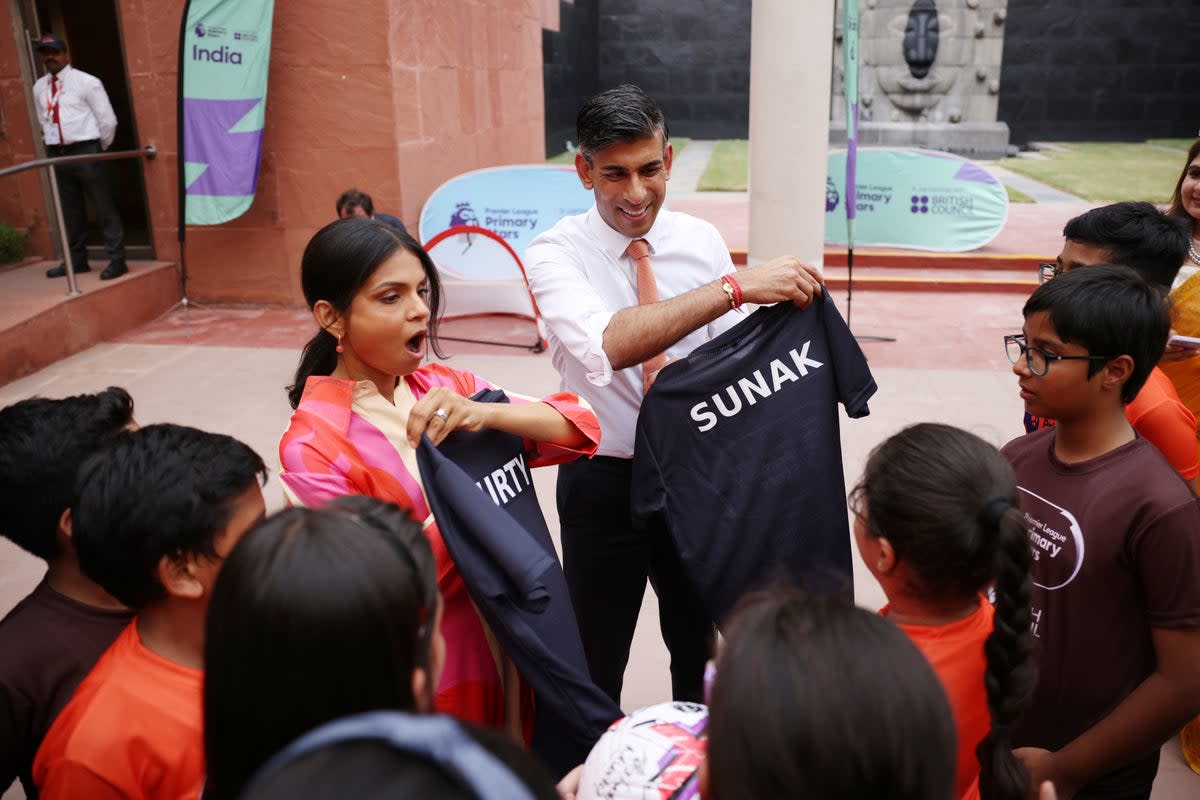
pixel 647 292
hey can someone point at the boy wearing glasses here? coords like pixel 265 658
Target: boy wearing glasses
pixel 1139 236
pixel 1114 533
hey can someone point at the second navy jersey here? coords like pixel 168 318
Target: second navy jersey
pixel 739 453
pixel 499 465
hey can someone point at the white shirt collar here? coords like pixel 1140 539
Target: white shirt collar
pixel 615 243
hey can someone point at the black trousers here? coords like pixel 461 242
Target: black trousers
pixel 607 562
pixel 92 179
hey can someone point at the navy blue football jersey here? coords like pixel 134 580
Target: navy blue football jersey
pixel 509 566
pixel 499 465
pixel 738 452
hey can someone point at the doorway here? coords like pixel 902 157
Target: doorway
pixel 92 31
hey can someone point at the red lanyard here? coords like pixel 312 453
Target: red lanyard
pixel 52 98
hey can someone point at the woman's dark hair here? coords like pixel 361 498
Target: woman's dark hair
pixel 947 502
pixel 316 614
pixel 43 442
pixel 374 770
pixel 815 698
pixel 337 263
pixel 1111 310
pixel 1176 207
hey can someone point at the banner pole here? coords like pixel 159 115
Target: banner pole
pixel 850 91
pixel 850 41
pixel 180 161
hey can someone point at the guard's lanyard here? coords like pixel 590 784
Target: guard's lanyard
pixel 52 98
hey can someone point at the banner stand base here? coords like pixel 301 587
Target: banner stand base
pixel 538 347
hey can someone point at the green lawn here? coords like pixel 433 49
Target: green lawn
pixel 568 157
pixel 1105 172
pixel 1101 172
pixel 1178 144
pixel 728 167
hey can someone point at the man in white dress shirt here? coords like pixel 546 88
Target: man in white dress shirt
pixel 609 333
pixel 77 118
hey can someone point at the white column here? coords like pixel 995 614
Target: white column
pixel 791 56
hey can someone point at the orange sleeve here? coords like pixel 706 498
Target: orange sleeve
pixel 1168 425
pixel 578 414
pixel 69 780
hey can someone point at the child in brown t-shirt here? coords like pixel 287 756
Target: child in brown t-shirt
pixel 1113 529
pixel 50 640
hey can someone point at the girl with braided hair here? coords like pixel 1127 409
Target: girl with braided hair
pixel 937 524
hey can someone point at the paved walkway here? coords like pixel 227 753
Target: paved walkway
pixel 1040 192
pixel 947 364
pixel 690 164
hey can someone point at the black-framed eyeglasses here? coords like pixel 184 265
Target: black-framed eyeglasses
pixel 1048 272
pixel 1037 359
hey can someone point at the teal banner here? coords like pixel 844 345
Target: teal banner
pixel 915 199
pixel 225 50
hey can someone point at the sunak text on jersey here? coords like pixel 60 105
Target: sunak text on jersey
pixel 754 387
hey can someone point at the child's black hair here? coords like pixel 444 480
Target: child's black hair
pixel 946 500
pixel 815 698
pixel 316 615
pixel 1111 311
pixel 42 444
pixel 1135 235
pixel 163 490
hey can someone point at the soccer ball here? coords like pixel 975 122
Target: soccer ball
pixel 652 754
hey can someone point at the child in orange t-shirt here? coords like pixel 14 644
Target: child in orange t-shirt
pixel 937 524
pixel 153 518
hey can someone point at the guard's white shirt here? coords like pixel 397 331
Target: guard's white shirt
pixel 581 276
pixel 84 112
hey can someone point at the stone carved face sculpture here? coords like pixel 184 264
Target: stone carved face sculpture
pixel 921 37
pixel 917 50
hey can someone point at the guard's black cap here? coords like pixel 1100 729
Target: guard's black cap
pixel 49 41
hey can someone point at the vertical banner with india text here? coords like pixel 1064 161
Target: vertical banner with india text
pixel 225 48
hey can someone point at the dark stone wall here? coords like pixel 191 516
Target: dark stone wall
pixel 1118 69
pixel 693 58
pixel 569 57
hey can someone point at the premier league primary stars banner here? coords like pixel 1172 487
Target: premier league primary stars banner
pixel 915 198
pixel 225 50
pixel 516 203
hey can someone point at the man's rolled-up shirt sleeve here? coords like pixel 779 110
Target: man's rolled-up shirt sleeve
pixel 573 311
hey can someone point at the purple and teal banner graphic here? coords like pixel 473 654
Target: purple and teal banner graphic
pixel 225 50
pixel 915 198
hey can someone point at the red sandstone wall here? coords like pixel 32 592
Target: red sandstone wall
pixel 394 97
pixel 21 202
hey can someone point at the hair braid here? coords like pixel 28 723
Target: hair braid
pixel 1010 674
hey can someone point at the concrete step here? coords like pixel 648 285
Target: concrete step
pixel 906 270
pixel 41 324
